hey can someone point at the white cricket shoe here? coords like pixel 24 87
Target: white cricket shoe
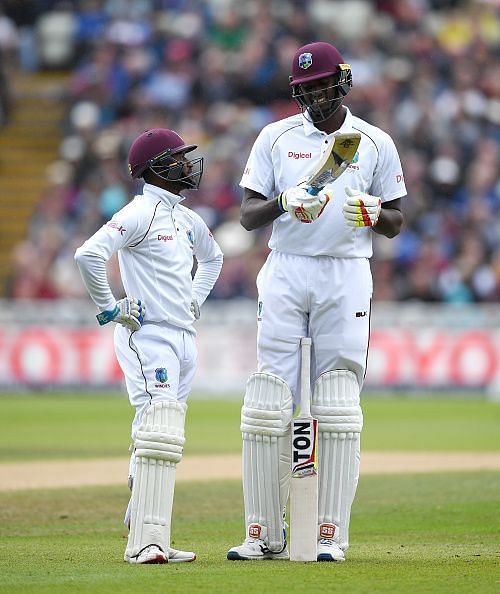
pixel 175 556
pixel 255 549
pixel 328 550
pixel 152 554
pixel 149 555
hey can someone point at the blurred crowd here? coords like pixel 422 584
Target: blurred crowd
pixel 217 71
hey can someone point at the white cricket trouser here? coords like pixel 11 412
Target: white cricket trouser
pixel 322 297
pixel 158 362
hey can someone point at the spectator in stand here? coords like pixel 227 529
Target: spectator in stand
pixel 5 99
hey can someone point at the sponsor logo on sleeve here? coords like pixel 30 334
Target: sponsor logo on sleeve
pixel 117 227
pixel 260 307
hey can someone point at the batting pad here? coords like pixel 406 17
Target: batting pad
pixel 158 449
pixel 335 404
pixel 265 427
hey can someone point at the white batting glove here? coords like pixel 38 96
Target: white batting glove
pixel 301 205
pixel 195 309
pixel 128 312
pixel 361 209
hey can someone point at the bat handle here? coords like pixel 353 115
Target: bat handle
pixel 313 191
pixel 305 377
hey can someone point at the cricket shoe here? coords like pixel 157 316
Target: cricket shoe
pixel 149 555
pixel 255 549
pixel 152 554
pixel 328 550
pixel 175 556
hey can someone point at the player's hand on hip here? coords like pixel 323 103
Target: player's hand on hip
pixel 301 205
pixel 361 209
pixel 128 312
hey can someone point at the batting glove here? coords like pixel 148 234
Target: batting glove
pixel 301 205
pixel 361 209
pixel 195 309
pixel 128 312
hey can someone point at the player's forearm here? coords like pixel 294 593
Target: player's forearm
pixel 389 222
pixel 257 211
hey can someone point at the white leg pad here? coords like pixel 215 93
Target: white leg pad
pixel 265 427
pixel 335 404
pixel 158 449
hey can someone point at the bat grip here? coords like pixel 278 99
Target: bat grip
pixel 305 377
pixel 313 191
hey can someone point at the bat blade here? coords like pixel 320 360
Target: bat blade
pixel 304 482
pixel 304 490
pixel 335 160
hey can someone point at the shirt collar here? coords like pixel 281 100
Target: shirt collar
pixel 165 196
pixel 310 128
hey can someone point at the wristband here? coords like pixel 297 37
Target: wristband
pixel 107 316
pixel 282 202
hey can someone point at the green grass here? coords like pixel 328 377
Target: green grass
pixel 423 533
pixel 411 533
pixel 65 426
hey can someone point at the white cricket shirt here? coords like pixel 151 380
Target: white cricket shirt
pixel 156 239
pixel 287 150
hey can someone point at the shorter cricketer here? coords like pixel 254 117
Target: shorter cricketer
pixel 156 239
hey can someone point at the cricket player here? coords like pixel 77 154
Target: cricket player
pixel 156 239
pixel 316 282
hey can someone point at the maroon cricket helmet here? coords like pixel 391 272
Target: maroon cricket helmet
pixel 313 61
pixel 152 144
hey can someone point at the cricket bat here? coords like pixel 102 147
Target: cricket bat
pixel 304 481
pixel 335 160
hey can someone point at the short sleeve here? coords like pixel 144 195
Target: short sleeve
pixel 205 247
pixel 388 180
pixel 258 174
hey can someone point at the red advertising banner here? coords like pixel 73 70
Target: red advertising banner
pixel 84 357
pixel 434 358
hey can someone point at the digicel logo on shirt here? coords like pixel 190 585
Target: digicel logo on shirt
pixel 294 155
